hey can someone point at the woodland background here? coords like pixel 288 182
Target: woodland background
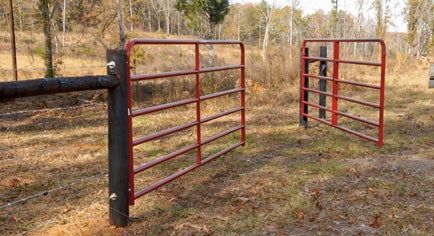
pixel 53 30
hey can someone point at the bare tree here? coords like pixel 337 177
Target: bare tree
pixel 293 5
pixel 157 9
pixel 20 17
pixel 387 18
pixel 378 6
pixel 267 12
pixel 360 5
pixel 419 24
pixel 167 7
pixel 424 28
pixel 46 21
pixel 178 20
pixel 122 37
pixel 357 31
pixel 144 8
pixel 238 22
pixel 130 6
pixel 334 19
pixel 64 22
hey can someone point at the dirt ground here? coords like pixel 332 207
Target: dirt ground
pixel 287 180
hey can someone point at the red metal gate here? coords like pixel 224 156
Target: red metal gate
pixel 304 103
pixel 198 70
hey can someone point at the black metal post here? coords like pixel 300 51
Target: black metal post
pixel 322 83
pixel 304 119
pixel 118 140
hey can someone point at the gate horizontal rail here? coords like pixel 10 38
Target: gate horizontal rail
pixel 183 72
pixel 344 81
pixel 198 70
pixel 336 81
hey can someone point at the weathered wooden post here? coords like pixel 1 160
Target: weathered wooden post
pixel 322 82
pixel 304 119
pixel 118 139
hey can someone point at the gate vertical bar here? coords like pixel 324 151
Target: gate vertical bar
pixel 197 88
pixel 243 95
pixel 118 139
pixel 322 83
pixel 130 128
pixel 383 75
pixel 304 96
pixel 335 82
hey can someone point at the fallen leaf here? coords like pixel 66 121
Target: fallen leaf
pixel 222 218
pixel 316 192
pixel 14 182
pixel 300 215
pixel 378 221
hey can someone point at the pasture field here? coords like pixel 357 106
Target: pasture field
pixel 286 180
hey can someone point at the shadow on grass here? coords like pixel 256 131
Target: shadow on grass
pixel 291 148
pixel 274 143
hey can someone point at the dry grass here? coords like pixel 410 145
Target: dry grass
pixel 287 180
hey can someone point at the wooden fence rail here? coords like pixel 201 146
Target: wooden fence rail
pixel 27 88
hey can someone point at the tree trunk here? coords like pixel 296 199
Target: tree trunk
pixel 149 21
pixel 378 4
pixel 291 31
pixel 167 17
pixel 131 15
pixel 260 32
pixel 238 24
pixel 158 23
pixel 334 19
pixel 45 12
pixel 56 40
pixel 13 41
pixel 265 41
pixel 179 23
pixel 63 22
pixel 20 18
pixel 212 29
pixel 122 37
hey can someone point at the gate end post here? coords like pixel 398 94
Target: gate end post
pixel 118 136
pixel 304 83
